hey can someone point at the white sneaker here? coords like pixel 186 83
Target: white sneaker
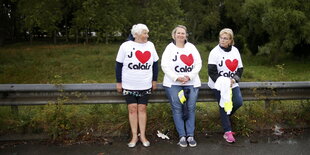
pixel 183 142
pixel 191 141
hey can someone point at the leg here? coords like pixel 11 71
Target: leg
pixel 191 103
pixel 133 120
pixel 142 116
pixel 237 103
pixel 224 117
pixel 237 99
pixel 176 107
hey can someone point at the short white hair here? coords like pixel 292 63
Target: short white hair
pixel 138 29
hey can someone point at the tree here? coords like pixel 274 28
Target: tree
pixel 284 23
pixel 284 27
pixel 9 21
pixel 44 14
pixel 68 8
pixel 161 16
pixel 84 18
pixel 277 26
pixel 201 16
pixel 4 25
pixel 250 23
pixel 110 19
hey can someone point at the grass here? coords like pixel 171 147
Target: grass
pixel 79 63
pixel 65 63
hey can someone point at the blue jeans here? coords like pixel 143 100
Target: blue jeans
pixel 237 103
pixel 184 128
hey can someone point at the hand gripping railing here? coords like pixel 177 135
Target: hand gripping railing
pixel 41 94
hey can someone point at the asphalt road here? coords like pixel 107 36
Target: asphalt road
pixel 288 143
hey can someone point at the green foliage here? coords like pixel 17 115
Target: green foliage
pixel 282 27
pixel 305 108
pixel 74 122
pixel 110 19
pixel 251 23
pixel 278 23
pixel 253 11
pixel 45 14
pixel 201 16
pixel 241 125
pixel 7 121
pixel 84 19
pixel 240 43
pixel 275 25
pixel 234 11
pixel 281 71
pixel 160 118
pixel 161 16
pixel 207 117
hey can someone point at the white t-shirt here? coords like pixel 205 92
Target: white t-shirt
pixel 137 59
pixel 176 62
pixel 227 63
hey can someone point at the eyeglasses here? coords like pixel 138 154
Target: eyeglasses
pixel 224 38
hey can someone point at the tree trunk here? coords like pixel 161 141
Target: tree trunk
pixel 1 40
pixel 86 36
pixel 77 36
pixel 31 37
pixel 106 39
pixel 67 35
pixel 66 29
pixel 55 37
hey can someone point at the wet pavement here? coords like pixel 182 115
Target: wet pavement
pixel 288 143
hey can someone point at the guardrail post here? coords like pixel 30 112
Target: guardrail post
pixel 14 110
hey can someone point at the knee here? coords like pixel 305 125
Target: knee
pixel 192 106
pixel 142 108
pixel 237 100
pixel 132 109
pixel 238 103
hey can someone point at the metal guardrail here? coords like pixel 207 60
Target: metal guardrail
pixel 41 94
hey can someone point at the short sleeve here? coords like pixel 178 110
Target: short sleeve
pixel 121 54
pixel 212 57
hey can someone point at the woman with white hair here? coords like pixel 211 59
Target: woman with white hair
pixel 136 76
pixel 181 63
pixel 225 70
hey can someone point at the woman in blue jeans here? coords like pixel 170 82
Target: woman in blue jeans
pixel 181 63
pixel 225 62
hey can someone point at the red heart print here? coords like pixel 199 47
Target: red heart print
pixel 143 57
pixel 231 65
pixel 188 60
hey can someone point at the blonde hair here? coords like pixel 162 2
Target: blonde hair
pixel 138 29
pixel 229 32
pixel 175 30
